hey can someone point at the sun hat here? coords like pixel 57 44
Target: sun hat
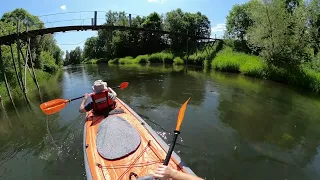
pixel 99 86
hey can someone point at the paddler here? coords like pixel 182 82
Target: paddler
pixel 103 99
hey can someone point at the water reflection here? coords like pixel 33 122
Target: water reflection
pixel 234 128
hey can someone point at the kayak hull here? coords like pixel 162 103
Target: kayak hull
pixel 143 162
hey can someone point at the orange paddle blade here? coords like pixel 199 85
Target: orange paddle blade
pixel 181 114
pixel 53 106
pixel 124 85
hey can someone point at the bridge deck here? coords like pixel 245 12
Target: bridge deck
pixel 9 39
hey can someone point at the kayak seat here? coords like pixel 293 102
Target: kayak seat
pixel 116 138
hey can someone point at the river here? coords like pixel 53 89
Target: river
pixel 235 127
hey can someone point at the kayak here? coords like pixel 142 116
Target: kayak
pixel 123 146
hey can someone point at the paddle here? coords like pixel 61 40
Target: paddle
pixel 176 132
pixel 57 105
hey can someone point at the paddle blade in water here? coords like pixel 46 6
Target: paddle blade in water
pixel 53 106
pixel 124 85
pixel 181 114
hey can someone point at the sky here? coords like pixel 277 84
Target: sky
pixel 76 12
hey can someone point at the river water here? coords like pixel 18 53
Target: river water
pixel 235 127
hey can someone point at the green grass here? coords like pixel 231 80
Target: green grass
pixel 162 57
pixel 143 59
pixel 303 77
pixel 127 60
pixel 228 60
pixel 113 61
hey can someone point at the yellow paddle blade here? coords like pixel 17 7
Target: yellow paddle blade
pixel 53 106
pixel 181 114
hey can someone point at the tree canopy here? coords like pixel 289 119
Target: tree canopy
pixel 45 52
pixel 284 33
pixel 115 44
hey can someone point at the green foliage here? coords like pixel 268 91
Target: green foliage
pixel 228 60
pixel 184 22
pixel 75 56
pixel 48 62
pixel 314 63
pixel 116 44
pixel 113 61
pixel 238 21
pixel 142 59
pixel 178 61
pixel 127 60
pixel 284 41
pixel 90 48
pixel 166 58
pixel 45 53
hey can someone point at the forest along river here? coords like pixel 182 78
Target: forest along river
pixel 235 127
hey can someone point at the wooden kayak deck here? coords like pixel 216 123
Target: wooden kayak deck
pixel 143 162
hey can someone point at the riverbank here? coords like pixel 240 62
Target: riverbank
pixel 42 78
pixel 254 66
pixel 229 61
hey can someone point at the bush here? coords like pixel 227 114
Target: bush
pixel 113 61
pixel 48 62
pixel 126 60
pixel 162 57
pixel 178 61
pixel 142 59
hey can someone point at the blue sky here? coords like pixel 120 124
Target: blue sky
pixel 216 10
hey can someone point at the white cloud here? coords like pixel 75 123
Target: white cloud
pixel 63 7
pixel 218 28
pixel 156 1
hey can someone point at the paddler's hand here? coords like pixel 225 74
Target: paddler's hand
pixel 163 172
pixel 112 96
pixel 86 96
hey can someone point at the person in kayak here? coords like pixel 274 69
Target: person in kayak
pixel 165 172
pixel 103 99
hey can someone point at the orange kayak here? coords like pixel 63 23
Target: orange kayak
pixel 142 159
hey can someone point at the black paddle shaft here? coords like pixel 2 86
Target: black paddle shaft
pixel 166 161
pixel 83 96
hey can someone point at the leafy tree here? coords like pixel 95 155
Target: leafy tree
pixel 90 48
pixel 48 62
pixel 280 45
pixel 47 43
pixel 180 22
pixel 76 56
pixel 238 21
pixel 67 58
pixel 314 21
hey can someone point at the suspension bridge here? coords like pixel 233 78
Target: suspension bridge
pixel 80 21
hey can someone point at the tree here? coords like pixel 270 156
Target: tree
pixel 152 42
pixel 90 48
pixel 8 25
pixel 180 22
pixel 314 21
pixel 238 21
pixel 67 58
pixel 283 41
pixel 76 56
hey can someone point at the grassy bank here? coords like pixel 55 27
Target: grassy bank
pixel 250 65
pixel 229 61
pixel 201 57
pixel 16 92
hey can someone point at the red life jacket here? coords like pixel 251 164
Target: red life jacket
pixel 102 102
